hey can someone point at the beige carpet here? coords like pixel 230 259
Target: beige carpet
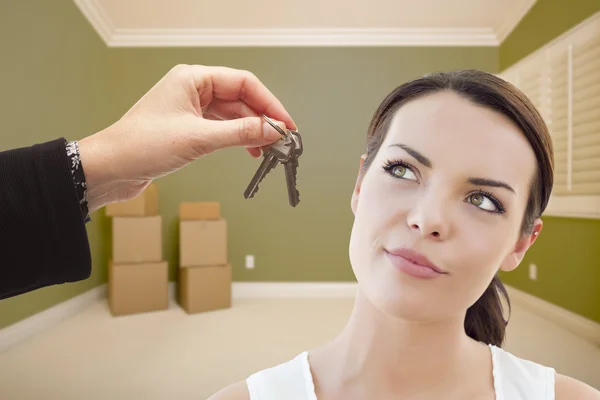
pixel 171 355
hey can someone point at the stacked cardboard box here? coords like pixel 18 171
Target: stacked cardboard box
pixel 138 277
pixel 205 273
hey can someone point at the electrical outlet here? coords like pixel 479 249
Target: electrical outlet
pixel 533 272
pixel 249 261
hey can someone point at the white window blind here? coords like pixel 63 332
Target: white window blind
pixel 558 120
pixel 562 80
pixel 585 174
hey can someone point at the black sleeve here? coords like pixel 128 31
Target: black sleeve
pixel 43 239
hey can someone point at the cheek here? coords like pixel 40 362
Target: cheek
pixel 481 255
pixel 383 196
pixel 378 214
pixel 485 248
pixel 370 218
pixel 479 249
pixel 377 205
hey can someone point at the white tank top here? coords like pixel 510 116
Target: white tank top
pixel 514 379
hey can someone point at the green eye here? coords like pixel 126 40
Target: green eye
pixel 399 171
pixel 477 199
pixel 486 202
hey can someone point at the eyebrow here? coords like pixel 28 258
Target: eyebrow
pixel 474 181
pixel 490 182
pixel 418 156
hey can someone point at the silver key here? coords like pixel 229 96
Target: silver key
pixel 279 152
pixel 285 151
pixel 291 167
pixel 269 162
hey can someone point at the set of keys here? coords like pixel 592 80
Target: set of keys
pixel 285 151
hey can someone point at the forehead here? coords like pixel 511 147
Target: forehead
pixel 455 133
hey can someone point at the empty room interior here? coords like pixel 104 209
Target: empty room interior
pixel 417 143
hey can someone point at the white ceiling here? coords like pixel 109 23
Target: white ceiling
pixel 304 22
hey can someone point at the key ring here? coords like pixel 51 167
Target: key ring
pixel 277 128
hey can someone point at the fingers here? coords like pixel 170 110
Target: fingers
pixel 229 109
pixel 225 110
pixel 232 84
pixel 250 132
pixel 254 151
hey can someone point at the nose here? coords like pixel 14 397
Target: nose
pixel 429 217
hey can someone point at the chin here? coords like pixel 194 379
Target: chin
pixel 397 295
pixel 408 304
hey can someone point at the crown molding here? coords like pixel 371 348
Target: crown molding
pixel 513 20
pixel 338 37
pixel 98 18
pixel 301 37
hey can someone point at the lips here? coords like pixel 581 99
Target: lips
pixel 414 263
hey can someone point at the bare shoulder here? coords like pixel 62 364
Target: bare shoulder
pixel 236 391
pixel 568 388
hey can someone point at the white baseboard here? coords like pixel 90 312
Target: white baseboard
pixel 22 330
pixel 285 290
pixel 279 290
pixel 576 324
pixel 39 322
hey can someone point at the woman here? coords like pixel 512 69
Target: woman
pixel 458 171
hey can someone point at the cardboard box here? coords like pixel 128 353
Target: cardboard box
pixel 138 288
pixel 144 205
pixel 202 243
pixel 199 211
pixel 137 239
pixel 205 288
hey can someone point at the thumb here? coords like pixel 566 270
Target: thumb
pixel 248 132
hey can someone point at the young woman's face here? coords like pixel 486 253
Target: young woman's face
pixel 451 182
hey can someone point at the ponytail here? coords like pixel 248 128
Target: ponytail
pixel 485 321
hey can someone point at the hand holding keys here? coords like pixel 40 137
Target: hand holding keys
pixel 285 151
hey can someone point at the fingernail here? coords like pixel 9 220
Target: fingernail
pixel 271 133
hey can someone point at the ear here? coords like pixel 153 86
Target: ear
pixel 354 202
pixel 525 242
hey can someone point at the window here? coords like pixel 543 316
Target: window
pixel 562 79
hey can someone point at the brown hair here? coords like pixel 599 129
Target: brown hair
pixel 484 320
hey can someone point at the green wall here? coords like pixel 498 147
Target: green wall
pixel 53 76
pixel 546 20
pixel 331 94
pixel 567 258
pixel 567 255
